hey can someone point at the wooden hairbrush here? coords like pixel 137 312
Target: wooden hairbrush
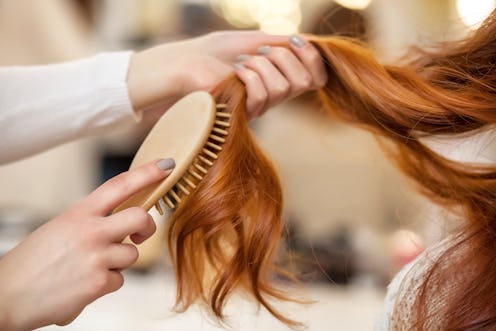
pixel 191 132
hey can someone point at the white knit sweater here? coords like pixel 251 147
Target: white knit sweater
pixel 44 106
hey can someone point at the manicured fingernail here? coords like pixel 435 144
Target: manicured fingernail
pixel 297 41
pixel 239 66
pixel 264 50
pixel 166 164
pixel 243 57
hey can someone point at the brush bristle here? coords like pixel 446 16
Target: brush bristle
pixel 204 161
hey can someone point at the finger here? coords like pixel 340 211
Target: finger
pixel 137 238
pixel 311 59
pixel 300 80
pixel 70 319
pixel 114 281
pixel 129 222
pixel 276 85
pixel 256 39
pixel 119 188
pixel 105 283
pixel 121 256
pixel 255 89
pixel 227 45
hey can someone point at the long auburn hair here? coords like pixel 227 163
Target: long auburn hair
pixel 451 91
pixel 226 234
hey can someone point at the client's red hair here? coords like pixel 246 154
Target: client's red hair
pixel 452 91
pixel 225 235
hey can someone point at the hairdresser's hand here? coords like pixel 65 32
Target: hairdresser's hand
pixel 161 75
pixel 277 73
pixel 77 257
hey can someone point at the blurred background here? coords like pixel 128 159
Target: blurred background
pixel 353 220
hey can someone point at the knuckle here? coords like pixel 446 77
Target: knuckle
pixel 260 98
pixel 313 58
pixel 153 170
pixel 114 281
pixel 96 263
pixel 206 80
pixel 320 84
pixel 78 211
pixel 282 88
pixel 119 182
pixel 258 60
pixel 100 282
pixel 251 77
pixel 116 179
pixel 93 234
pixel 255 107
pixel 133 254
pixel 322 81
pixel 118 282
pixel 280 53
pixel 139 214
pixel 305 83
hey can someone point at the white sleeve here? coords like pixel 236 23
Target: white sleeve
pixel 44 106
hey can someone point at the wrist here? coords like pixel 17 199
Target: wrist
pixel 153 80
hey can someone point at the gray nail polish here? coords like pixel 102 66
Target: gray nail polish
pixel 297 41
pixel 264 50
pixel 239 66
pixel 166 164
pixel 243 57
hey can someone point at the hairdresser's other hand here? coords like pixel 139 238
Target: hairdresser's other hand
pixel 277 73
pixel 161 75
pixel 77 257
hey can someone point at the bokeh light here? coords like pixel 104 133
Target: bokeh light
pixel 354 4
pixel 275 16
pixel 473 13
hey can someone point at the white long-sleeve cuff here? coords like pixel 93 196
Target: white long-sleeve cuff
pixel 43 106
pixel 113 69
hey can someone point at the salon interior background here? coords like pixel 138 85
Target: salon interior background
pixel 353 220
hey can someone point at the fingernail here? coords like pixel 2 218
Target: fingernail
pixel 166 164
pixel 239 66
pixel 242 58
pixel 264 50
pixel 297 41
